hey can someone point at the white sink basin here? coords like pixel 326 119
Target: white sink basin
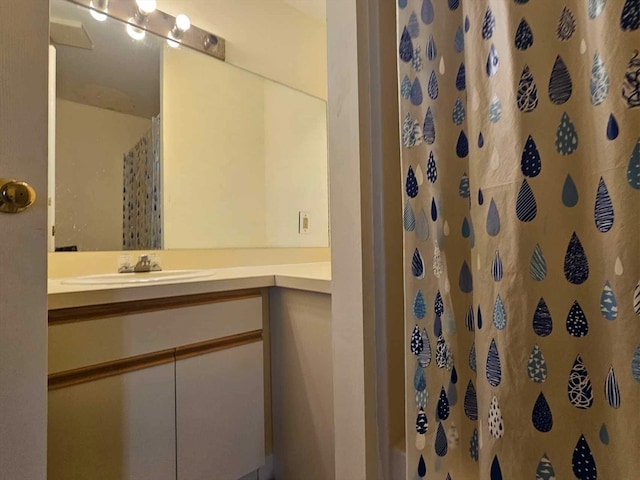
pixel 136 278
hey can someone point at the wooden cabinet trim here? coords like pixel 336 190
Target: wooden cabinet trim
pixel 92 312
pixel 139 362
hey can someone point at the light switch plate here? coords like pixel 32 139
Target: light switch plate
pixel 303 223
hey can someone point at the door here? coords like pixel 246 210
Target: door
pixel 24 31
pixel 220 413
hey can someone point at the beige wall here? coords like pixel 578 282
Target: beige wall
pixel 295 167
pixel 90 144
pixel 267 37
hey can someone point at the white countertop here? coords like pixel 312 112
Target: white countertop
pixel 313 277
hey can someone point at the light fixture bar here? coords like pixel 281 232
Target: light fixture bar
pixel 142 15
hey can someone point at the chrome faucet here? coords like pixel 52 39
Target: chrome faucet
pixel 146 263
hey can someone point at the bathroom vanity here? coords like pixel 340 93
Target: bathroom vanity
pixel 169 381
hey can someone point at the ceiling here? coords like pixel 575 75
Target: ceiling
pixel 119 73
pixel 314 8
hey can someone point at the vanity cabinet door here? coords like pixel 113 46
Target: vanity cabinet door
pixel 220 413
pixel 116 428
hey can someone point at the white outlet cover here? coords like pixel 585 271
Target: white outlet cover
pixel 303 223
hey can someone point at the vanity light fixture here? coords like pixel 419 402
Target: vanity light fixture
pixel 177 32
pixel 144 8
pixel 97 9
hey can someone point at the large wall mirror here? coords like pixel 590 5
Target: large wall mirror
pixel 161 147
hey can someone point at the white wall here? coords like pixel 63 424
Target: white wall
pixel 90 144
pixel 267 37
pixel 295 167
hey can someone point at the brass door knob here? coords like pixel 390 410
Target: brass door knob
pixel 15 196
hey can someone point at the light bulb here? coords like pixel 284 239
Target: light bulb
pixel 99 16
pixel 146 6
pixel 135 32
pixel 183 23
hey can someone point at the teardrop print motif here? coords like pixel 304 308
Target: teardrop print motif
pixel 465 230
pixel 405 87
pixel 419 175
pixel 405 49
pixel 566 136
pixel 419 380
pixel 537 366
pixel 422 226
pixel 474 446
pixel 413 26
pixel 599 84
pixel 437 261
pixel 402 3
pixel 560 85
pixel 542 321
pixel 493 219
pixel 524 36
pixel 458 40
pixel 603 211
pixel 458 114
pixel 612 128
pixel 429 128
pixel 466 279
pixel 426 13
pixel 421 441
pixel 530 162
pixel 467 23
pixel 411 184
pixel 419 306
pixel 583 464
pixel 576 265
pixel 545 469
pixel 443 405
pixel 633 170
pixel 421 399
pixel 630 17
pixel 438 304
pixel 635 364
pixel 499 314
pixel 441 445
pixel 541 416
pixel 424 357
pixel 480 140
pixel 473 363
pixel 604 435
pixel 463 188
pixel 432 50
pixel 416 93
pixel 595 8
pixel 461 78
pixel 612 390
pixel 432 171
pixel 608 302
pixel 493 61
pixel 577 324
pixel 579 389
pixel 496 267
pixel 416 344
pixel 494 369
pixel 437 331
pixel 488 25
pixel 417 265
pixel 526 207
pixel 527 96
pixel 480 197
pixel 422 423
pixel 479 318
pixel 454 4
pixel 471 402
pixel 411 133
pixel 570 195
pixel 631 85
pixel 408 218
pixel 566 25
pixel 434 210
pixel 496 424
pixel 422 467
pixel 636 299
pixel 495 110
pixel 618 268
pixel 432 87
pixel 496 471
pixel 538 266
pixel 462 147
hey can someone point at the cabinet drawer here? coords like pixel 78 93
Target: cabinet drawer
pixel 89 342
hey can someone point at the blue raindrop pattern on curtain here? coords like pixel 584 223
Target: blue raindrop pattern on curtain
pixel 530 149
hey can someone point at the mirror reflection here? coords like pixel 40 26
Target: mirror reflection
pixel 162 147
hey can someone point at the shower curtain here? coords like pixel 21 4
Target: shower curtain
pixel 141 193
pixel 520 126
